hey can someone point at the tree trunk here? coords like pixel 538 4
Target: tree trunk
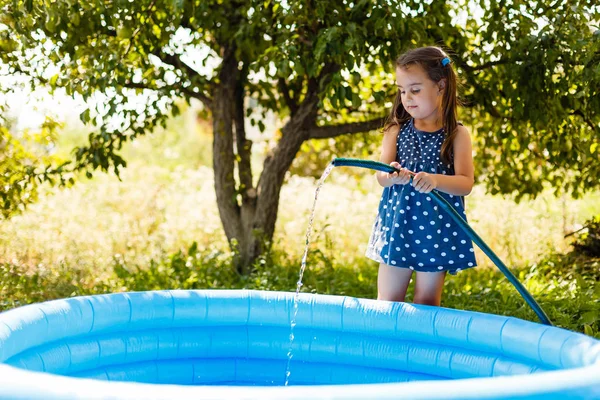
pixel 249 214
pixel 278 162
pixel 249 246
pixel 246 230
pixel 260 206
pixel 223 113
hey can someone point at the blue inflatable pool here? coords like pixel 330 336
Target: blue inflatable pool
pixel 234 344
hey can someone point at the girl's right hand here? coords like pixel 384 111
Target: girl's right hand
pixel 398 178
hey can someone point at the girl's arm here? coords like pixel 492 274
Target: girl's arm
pixel 388 156
pixel 461 183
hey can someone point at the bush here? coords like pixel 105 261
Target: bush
pixel 565 286
pixel 587 240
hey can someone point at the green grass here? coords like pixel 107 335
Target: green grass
pixel 159 228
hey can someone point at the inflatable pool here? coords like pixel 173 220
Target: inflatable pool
pixel 234 344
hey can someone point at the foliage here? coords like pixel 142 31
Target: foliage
pixel 25 164
pixel 588 241
pixel 566 286
pixel 542 99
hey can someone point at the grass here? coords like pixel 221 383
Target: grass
pixel 159 228
pixel 566 286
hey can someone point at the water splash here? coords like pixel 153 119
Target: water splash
pixel 302 268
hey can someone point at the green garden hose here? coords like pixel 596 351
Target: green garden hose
pixel 379 166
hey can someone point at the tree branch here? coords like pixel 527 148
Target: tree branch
pixel 175 61
pixel 326 72
pixel 223 142
pixel 281 83
pixel 330 131
pixel 305 116
pixel 203 98
pixel 137 31
pixel 585 119
pixel 285 91
pixel 242 144
pixel 207 101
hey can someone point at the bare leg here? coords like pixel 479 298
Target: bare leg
pixel 428 288
pixel 392 282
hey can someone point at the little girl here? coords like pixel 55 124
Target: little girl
pixel 411 233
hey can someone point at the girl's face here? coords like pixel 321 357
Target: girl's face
pixel 421 97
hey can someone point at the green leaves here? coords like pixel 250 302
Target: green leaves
pixel 530 76
pixel 25 164
pixel 534 98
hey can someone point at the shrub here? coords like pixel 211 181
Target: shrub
pixel 587 240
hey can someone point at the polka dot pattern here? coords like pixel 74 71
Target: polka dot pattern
pixel 416 233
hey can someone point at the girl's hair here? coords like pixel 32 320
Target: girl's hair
pixel 430 59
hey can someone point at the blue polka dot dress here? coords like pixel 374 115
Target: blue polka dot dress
pixel 410 230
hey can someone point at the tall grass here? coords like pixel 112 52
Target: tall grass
pixel 156 210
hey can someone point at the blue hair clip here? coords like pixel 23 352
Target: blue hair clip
pixel 445 61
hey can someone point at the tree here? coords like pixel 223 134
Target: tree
pixel 534 95
pixel 325 67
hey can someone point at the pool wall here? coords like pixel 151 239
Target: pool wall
pixel 174 344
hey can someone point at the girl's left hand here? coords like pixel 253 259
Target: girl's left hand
pixel 424 182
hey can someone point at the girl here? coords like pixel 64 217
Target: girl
pixel 411 234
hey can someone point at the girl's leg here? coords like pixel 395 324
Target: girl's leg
pixel 392 282
pixel 428 288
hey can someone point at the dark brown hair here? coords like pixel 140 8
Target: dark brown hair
pixel 430 59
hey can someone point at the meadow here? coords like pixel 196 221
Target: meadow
pixel 157 227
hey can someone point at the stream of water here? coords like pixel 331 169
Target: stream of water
pixel 302 268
